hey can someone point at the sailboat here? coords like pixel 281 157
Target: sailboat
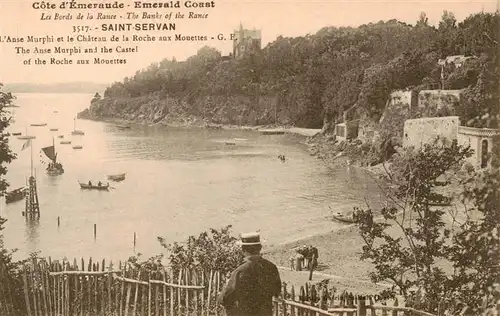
pixel 76 131
pixel 54 168
pixel 26 136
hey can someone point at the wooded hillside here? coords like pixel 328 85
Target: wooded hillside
pixel 307 81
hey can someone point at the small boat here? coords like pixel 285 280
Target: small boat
pixel 117 177
pixel 54 168
pixel 26 137
pixel 6 134
pixel 15 195
pixel 230 143
pixel 343 218
pixel 77 147
pixel 54 129
pixel 123 126
pixel 76 131
pixel 65 142
pixel 90 186
pixel 56 111
pixel 60 136
pixel 16 134
pixel 39 124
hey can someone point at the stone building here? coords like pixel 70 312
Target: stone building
pixel 246 40
pixel 424 130
pixel 482 141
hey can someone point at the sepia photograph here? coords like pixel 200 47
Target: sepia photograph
pixel 249 158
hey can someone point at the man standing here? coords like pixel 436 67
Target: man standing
pixel 252 285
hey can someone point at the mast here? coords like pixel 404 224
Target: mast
pixel 54 145
pixel 31 157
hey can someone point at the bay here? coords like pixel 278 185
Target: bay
pixel 179 182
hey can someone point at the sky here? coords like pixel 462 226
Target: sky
pixel 273 18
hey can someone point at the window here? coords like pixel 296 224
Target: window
pixel 484 153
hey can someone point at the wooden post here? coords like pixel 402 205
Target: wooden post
pixel 58 221
pixel 134 240
pixel 26 294
pixel 311 267
pixel 95 231
pixel 396 304
pixel 361 306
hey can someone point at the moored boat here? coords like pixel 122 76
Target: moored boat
pixel 16 134
pixel 25 137
pixel 60 136
pixel 15 195
pixel 117 177
pixel 90 186
pixel 343 218
pixel 39 124
pixel 76 131
pixel 54 129
pixel 123 126
pixel 65 142
pixel 77 147
pixel 54 168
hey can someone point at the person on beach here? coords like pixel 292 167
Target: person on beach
pixel 252 285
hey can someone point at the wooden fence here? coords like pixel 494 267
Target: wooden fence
pixel 64 289
pixel 7 306
pixel 86 288
pixel 317 300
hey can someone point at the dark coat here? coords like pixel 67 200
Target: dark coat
pixel 251 287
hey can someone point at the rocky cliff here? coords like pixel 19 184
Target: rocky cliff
pixel 235 110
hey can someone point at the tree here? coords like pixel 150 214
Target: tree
pixel 214 249
pixel 6 154
pixel 475 248
pixel 409 246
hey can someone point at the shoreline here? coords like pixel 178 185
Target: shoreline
pixel 339 249
pixel 198 123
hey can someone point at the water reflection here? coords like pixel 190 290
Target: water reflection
pixel 179 182
pixel 32 234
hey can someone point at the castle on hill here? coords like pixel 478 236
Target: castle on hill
pixel 246 40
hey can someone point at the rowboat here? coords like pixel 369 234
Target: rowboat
pixel 26 137
pixel 60 136
pixel 77 147
pixel 343 218
pixel 117 177
pixel 65 142
pixel 54 129
pixel 16 134
pixel 93 187
pixel 39 124
pixel 123 126
pixel 15 195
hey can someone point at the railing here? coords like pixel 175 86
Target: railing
pixel 65 289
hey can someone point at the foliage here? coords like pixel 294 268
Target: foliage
pixel 215 249
pixel 475 248
pixel 409 247
pixel 324 74
pixel 6 154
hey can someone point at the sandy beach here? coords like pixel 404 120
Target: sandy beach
pixel 338 262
